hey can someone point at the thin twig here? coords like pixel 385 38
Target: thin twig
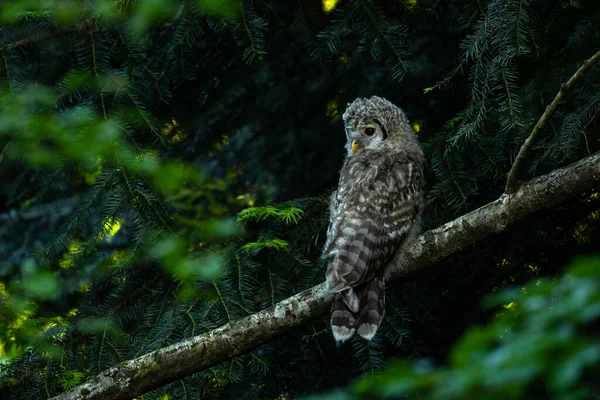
pixel 3 151
pixel 587 145
pixel 37 37
pixel 41 36
pixel 56 209
pixel 511 181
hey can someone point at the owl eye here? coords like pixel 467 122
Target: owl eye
pixel 369 131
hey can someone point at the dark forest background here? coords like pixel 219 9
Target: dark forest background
pixel 166 166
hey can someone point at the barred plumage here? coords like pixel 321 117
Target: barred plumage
pixel 375 208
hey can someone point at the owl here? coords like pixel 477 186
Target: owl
pixel 375 209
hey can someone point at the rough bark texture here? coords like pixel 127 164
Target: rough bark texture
pixel 538 194
pixel 134 377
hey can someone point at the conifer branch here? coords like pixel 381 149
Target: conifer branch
pixel 134 377
pixel 27 41
pixel 3 151
pixel 56 209
pixel 42 36
pixel 244 20
pixel 383 36
pixel 511 181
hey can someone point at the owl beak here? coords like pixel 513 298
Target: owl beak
pixel 354 145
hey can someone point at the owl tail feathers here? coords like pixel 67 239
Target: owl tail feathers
pixel 372 303
pixel 342 320
pixel 358 311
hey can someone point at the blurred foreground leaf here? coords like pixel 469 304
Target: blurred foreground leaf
pixel 544 346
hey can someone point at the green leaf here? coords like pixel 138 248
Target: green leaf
pixel 291 214
pixel 255 247
pixel 41 285
pixel 98 325
pixel 221 8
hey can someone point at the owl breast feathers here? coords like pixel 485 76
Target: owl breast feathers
pixel 374 210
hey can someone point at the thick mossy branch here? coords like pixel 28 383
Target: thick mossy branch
pixel 135 377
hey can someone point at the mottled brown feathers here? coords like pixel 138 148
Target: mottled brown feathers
pixel 376 206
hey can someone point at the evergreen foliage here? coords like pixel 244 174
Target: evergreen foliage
pixel 538 346
pixel 166 168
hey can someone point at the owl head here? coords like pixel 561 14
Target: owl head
pixel 369 122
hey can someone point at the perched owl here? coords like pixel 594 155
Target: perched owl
pixel 375 209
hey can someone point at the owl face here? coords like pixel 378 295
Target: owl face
pixel 372 122
pixel 364 133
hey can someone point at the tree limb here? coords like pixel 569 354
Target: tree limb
pixel 41 36
pixel 56 209
pixel 134 377
pixel 511 180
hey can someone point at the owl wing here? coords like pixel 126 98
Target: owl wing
pixel 334 204
pixel 375 207
pixel 373 210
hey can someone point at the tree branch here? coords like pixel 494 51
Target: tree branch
pixel 134 377
pixel 41 36
pixel 56 209
pixel 511 181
